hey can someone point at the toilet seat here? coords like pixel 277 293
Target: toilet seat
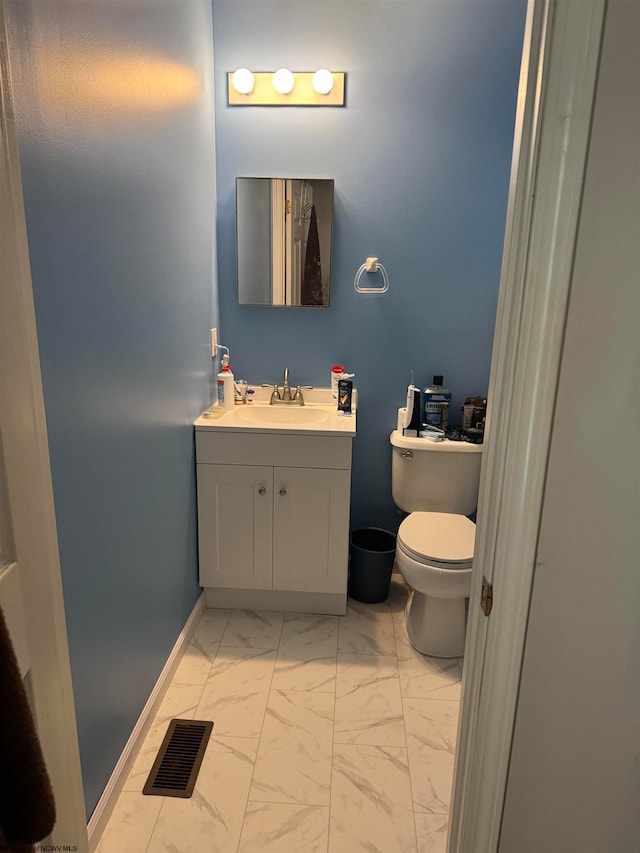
pixel 442 540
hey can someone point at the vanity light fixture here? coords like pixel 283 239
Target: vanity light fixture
pixel 284 88
pixel 283 81
pixel 242 81
pixel 322 81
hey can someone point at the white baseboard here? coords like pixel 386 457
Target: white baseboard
pixel 107 801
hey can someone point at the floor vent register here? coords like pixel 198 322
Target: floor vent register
pixel 177 764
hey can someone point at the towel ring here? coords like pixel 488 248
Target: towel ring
pixel 371 265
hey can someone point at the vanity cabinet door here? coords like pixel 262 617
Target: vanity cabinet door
pixel 311 529
pixel 235 534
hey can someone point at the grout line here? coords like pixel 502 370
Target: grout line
pixel 406 740
pixel 404 720
pixel 212 663
pixel 147 845
pixel 215 657
pixel 296 803
pixel 430 699
pixel 333 733
pixel 264 717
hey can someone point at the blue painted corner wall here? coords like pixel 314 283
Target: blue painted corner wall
pixel 114 115
pixel 421 158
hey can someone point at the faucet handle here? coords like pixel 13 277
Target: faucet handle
pixel 298 398
pixel 275 394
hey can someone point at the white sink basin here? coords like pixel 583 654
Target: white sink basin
pixel 318 416
pixel 282 415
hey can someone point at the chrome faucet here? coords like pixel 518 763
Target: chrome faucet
pixel 286 388
pixel 279 398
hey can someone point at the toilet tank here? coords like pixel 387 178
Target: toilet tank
pixel 435 476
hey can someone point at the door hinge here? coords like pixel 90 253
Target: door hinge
pixel 486 600
pixel 287 206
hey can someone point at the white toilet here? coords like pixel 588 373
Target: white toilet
pixel 437 483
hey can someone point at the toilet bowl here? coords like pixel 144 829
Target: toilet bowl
pixel 434 555
pixel 437 483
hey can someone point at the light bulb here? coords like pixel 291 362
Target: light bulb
pixel 323 81
pixel 242 81
pixel 283 81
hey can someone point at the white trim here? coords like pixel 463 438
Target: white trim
pixel 559 72
pixel 12 606
pixel 113 789
pixel 30 493
pixel 505 343
pixel 333 603
pixel 278 219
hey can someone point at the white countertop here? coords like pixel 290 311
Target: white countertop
pixel 254 417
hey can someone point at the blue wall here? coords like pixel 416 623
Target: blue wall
pixel 420 156
pixel 115 122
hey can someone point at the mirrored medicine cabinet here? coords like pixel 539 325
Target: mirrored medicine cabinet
pixel 283 241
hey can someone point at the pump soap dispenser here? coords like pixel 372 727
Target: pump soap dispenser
pixel 226 394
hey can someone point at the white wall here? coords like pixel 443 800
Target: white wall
pixel 573 779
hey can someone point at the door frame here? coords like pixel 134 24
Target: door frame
pixel 555 104
pixel 554 112
pixel 30 492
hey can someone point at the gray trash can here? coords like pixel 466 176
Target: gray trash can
pixel 372 553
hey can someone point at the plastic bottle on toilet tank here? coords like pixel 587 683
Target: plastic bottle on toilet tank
pixel 436 405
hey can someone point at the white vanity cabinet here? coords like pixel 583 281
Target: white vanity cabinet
pixel 273 520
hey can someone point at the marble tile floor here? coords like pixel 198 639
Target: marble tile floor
pixel 331 734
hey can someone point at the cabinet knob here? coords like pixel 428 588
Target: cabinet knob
pixel 283 492
pixel 262 490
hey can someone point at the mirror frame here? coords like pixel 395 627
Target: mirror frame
pixel 284 235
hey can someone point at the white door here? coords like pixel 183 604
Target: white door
pixel 11 602
pixel 278 242
pixel 555 105
pixel 30 581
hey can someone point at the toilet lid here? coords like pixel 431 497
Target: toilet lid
pixel 439 538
